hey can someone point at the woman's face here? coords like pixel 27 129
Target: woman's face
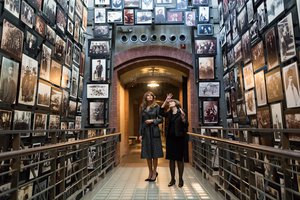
pixel 149 97
pixel 172 104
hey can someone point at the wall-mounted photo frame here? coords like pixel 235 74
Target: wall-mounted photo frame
pixel 272 50
pixel 274 85
pixel 74 82
pixel 95 91
pixel 203 12
pixel 239 86
pixel 199 2
pixel 44 93
pixel 13 7
pixel 261 16
pixel 228 104
pixel 250 11
pixel 54 123
pixel 80 87
pixel 79 8
pixel 128 17
pixel 97 112
pixel 6 117
pixel 206 67
pixel 143 17
pixel 66 78
pixel 77 26
pixel 55 100
pixel 292 119
pixel 277 122
pixel 242 20
pixel 190 18
pixel 260 88
pixel 100 15
pixel 114 16
pixel 62 3
pixel 98 68
pixel 61 20
pixel 98 47
pixel 147 4
pixel 76 54
pixel 27 14
pixel 45 62
pixel 246 42
pixel 69 52
pixel 241 112
pixel 101 30
pixel 55 73
pixel 250 102
pixel 263 117
pixel 160 15
pixel 209 89
pixel 174 16
pixel 50 34
pixel 22 121
pixel 60 47
pixel 78 120
pixel 274 9
pixel 234 25
pixel 79 107
pixel 208 29
pixel 102 2
pixel 248 76
pixel 40 25
pixel 117 4
pixel 238 51
pixel 31 43
pixel 210 112
pixel 39 123
pixel 206 46
pixel 258 56
pixel 65 103
pixel 71 10
pixel 131 3
pixel 49 10
pixel 290 75
pixel 72 109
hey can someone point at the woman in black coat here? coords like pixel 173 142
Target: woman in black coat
pixel 176 139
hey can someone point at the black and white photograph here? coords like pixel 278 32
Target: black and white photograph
pixel 261 16
pixel 242 20
pixel 55 73
pixel 5 119
pixel 181 4
pixel 238 51
pixel 290 75
pixel 35 158
pixel 65 102
pixel 28 81
pixel 40 25
pixel 203 14
pixel 39 187
pixel 92 155
pixel 274 85
pixel 190 18
pixel 63 4
pixel 97 48
pixel 22 121
pixel 61 20
pixel 78 122
pixel 254 31
pixel 274 8
pixel 27 14
pixel 127 3
pixel 206 68
pixel 234 25
pixel 13 6
pixel 241 112
pixel 100 15
pixel 292 119
pixel 12 40
pixel 78 8
pixel 250 102
pixel 25 192
pixel 246 52
pixel 210 112
pixel 69 52
pixel 147 4
pixel 114 16
pixel 248 76
pixel 70 27
pixel 250 11
pixel 209 89
pixel 60 46
pixel 80 87
pixel 228 103
pixel 260 88
pixel 49 10
pixel 76 54
pixel 54 122
pixel 174 16
pixel 44 93
pixel 263 117
pixel 82 63
pixel 97 112
pixel 95 91
pixel 239 83
pixel 272 51
pixel 50 34
pixel 259 182
pixel 143 17
pixel 39 123
pixel 258 56
pixel 55 100
pixel 66 78
pixel 72 109
pixel 74 81
pixel 9 81
pixel 31 43
pixel 206 47
pixel 71 10
pixel 79 107
pixel 98 70
pixel 230 57
pixel 222 36
pixel 208 29
pixel 128 17
pixel 45 62
pixel 276 112
pixel 101 30
pixel 286 38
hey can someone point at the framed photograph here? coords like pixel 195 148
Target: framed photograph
pixel 206 68
pixel 208 29
pixel 75 81
pixel 31 44
pixel 250 11
pixel 45 62
pixel 80 87
pixel 203 14
pixel 54 122
pixel 60 46
pixel 98 70
pixel 248 76
pixel 12 40
pixel 71 10
pixel 206 47
pixel 241 112
pixel 259 182
pixel 78 8
pixel 274 8
pixel 128 17
pixel 291 85
pixel 61 20
pixel 276 112
pixel 79 107
pixel 77 24
pixel 239 5
pixel 263 117
pixel 40 25
pixel 70 27
pixel 227 25
pixel 103 2
pixel 9 80
pixel 27 14
pixel 117 4
pixel 28 81
pixel 101 30
pixel 210 112
pixel 44 93
pixel 286 38
pixel 99 47
pixel 5 119
pixel 254 31
pixel 69 52
pixel 55 100
pixel 50 34
pixel 65 102
pixel 49 10
pixel 271 46
pixel 174 16
pixel 258 56
pixel 97 91
pixel 260 88
pixel 239 83
pixel 209 89
pixel 221 13
pixel 39 123
pixel 234 24
pixel 22 121
pixel 261 16
pixel 160 15
pixel 190 18
pixel 238 51
pixel 274 85
pixel 13 7
pixel 143 17
pixel 63 4
pixel 246 47
pixel 228 103
pixel 114 16
pixel 76 54
pixel 250 102
pixel 25 191
pixel 100 15
pixel 242 20
pixel 66 78
pixel 78 120
pixel 41 186
pixel 147 4
pixel 72 109
pixel 55 73
pixel 96 112
pixel 82 63
pixel 292 119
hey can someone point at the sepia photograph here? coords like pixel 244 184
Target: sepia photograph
pixel 77 24
pixel 65 102
pixel 78 8
pixel 174 16
pixel 95 91
pixel 97 112
pixel 190 18
pixel 76 54
pixel 12 40
pixel 246 47
pixel 100 15
pixel 66 78
pixel 84 18
pixel 54 122
pixel 44 93
pixel 60 46
pixel 160 15
pixel 128 17
pixel 99 47
pixel 203 14
pixel 250 102
pixel 261 16
pixel 206 68
pixel 260 88
pixel 239 84
pixel 50 34
pixel 5 119
pixel 98 70
pixel 242 20
pixel 258 56
pixel 45 62
pixel 143 17
pixel 290 75
pixel 55 73
pixel 22 121
pixel 72 109
pixel 271 46
pixel 274 85
pixel 292 119
pixel 70 27
pixel 241 112
pixel 210 112
pixel 238 51
pixel 69 52
pixel 27 14
pixel 80 87
pixel 101 30
pixel 248 76
pixel 206 47
pixel 78 122
pixel 25 192
pixel 55 100
pixel 209 89
pixel 276 112
pixel 208 29
pixel 274 8
pixel 61 20
pixel 39 123
pixel 31 44
pixel 74 81
pixel 234 24
pixel 286 38
pixel 260 185
pixel 40 26
pixel 49 10
pixel 13 6
pixel 263 117
pixel 228 104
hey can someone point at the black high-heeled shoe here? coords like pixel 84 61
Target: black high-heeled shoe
pixel 152 180
pixel 181 183
pixel 172 182
pixel 147 179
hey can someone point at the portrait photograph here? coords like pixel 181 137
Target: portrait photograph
pixel 241 112
pixel 209 89
pixel 107 2
pixel 206 47
pixel 286 39
pixel 261 16
pixel 101 30
pixel 143 17
pixel 128 17
pixel 181 4
pixel 277 123
pixel 259 182
pixel 208 29
pixel 260 88
pixel 72 109
pixel 65 102
pixel 78 8
pixel 95 91
pixel 274 8
pixel 190 18
pixel 66 78
pixel 239 84
pixel 250 11
pixel 271 46
pixel 258 56
pixel 80 87
pixel 114 16
pixel 70 27
pixel 25 192
pixel 12 40
pixel 254 31
pixel 50 34
pixel 78 122
pixel 71 10
pixel 234 24
pixel 97 48
pixel 22 121
pixel 274 85
pixel 27 14
pixel 61 20
pixel 9 80
pixel 206 68
pixel 238 51
pixel 242 20
pixel 210 112
pixel 147 4
pixel 160 15
pixel 250 102
pixel 69 52
pixel 44 93
pixel 246 52
pixel 74 81
pixel 82 63
pixel 49 10
pixel 31 43
pixel 77 23
pixel 40 25
pixel 28 81
pixel 5 119
pixel 55 100
pixel 291 85
pixel 79 107
pixel 96 112
pixel 54 122
pixel 76 54
pixel 60 46
pixel 13 6
pixel 263 117
pixel 39 123
pixel 55 73
pixel 45 62
pixel 292 119
pixel 203 14
pixel 228 103
pixel 100 15
pixel 98 70
pixel 248 76
pixel 63 4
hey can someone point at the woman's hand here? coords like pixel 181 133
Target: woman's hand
pixel 182 114
pixel 140 138
pixel 168 98
pixel 149 121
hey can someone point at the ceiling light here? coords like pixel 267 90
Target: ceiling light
pixel 152 84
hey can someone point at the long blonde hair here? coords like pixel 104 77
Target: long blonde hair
pixel 145 102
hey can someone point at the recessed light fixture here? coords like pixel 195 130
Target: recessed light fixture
pixel 153 84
